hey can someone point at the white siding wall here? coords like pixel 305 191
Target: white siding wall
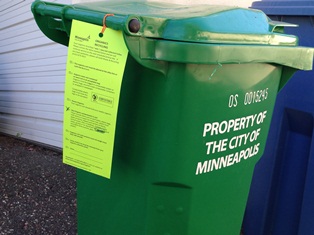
pixel 32 71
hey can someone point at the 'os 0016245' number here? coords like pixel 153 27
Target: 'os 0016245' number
pixel 255 96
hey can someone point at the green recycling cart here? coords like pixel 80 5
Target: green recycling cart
pixel 195 107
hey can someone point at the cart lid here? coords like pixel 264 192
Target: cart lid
pixel 196 23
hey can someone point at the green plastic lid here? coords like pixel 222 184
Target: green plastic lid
pixel 159 33
pixel 196 23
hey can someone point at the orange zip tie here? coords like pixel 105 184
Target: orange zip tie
pixel 104 25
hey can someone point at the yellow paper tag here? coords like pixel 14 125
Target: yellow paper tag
pixel 95 68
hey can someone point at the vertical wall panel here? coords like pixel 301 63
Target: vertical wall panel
pixel 32 73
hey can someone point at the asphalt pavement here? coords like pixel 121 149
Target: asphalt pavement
pixel 37 191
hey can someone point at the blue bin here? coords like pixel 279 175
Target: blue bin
pixel 281 200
